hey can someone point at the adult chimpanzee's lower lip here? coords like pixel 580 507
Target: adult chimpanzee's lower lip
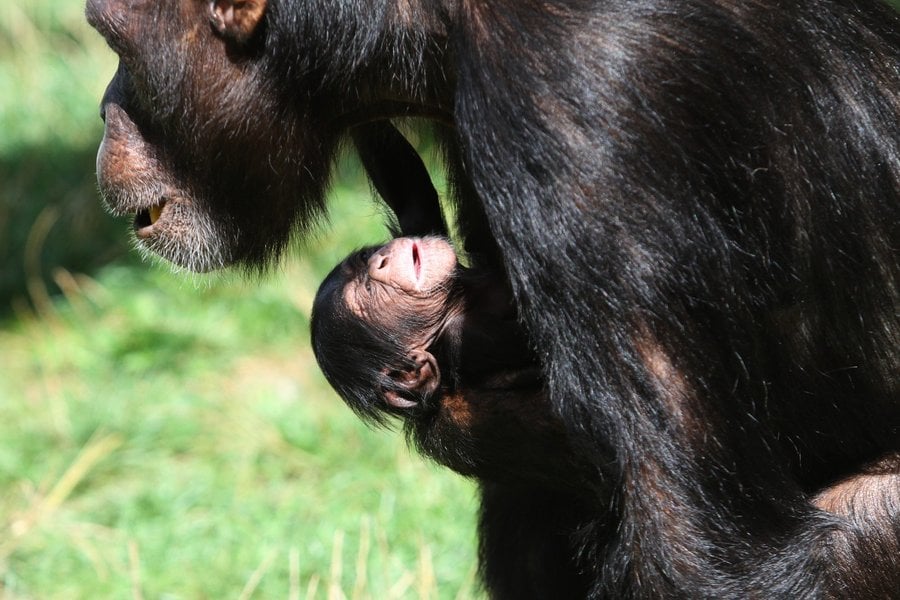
pixel 145 219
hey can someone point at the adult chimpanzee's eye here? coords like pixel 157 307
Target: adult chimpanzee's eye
pixel 368 284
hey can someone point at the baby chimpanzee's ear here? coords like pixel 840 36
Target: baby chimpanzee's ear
pixel 420 379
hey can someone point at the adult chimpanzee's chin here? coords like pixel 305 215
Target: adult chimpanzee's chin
pixel 135 181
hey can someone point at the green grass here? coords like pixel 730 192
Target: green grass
pixel 166 435
pixel 53 70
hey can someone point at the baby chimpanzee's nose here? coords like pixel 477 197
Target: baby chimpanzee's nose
pixel 378 261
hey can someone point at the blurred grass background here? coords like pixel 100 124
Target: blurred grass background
pixel 169 436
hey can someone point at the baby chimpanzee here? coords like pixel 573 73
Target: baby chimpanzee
pixel 404 329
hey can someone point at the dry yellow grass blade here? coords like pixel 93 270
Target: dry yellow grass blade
pixel 257 575
pixel 95 450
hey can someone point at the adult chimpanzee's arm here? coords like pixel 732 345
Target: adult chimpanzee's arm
pixel 400 177
pixel 402 180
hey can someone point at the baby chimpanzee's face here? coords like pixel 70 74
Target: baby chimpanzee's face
pixel 407 278
pixel 377 317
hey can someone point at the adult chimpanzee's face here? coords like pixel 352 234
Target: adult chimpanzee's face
pixel 198 146
pixel 223 118
pixel 408 279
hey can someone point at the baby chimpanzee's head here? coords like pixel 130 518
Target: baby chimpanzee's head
pixel 404 330
pixel 379 322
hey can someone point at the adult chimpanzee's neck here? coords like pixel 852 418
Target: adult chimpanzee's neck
pixel 327 48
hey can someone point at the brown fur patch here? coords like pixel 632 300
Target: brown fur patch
pixel 674 388
pixel 458 409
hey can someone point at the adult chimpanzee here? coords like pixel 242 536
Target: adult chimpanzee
pixel 696 203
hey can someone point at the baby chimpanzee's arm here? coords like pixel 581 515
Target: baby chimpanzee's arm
pixel 400 177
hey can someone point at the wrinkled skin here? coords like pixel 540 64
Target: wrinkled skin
pixel 387 317
pixel 406 276
pixel 696 204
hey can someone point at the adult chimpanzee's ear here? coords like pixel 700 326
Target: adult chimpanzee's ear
pixel 420 379
pixel 236 19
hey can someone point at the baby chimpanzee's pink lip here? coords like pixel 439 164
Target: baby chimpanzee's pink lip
pixel 417 265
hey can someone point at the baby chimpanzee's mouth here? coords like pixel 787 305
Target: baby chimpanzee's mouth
pixel 146 218
pixel 417 265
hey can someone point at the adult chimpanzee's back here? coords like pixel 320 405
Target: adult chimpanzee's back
pixel 697 203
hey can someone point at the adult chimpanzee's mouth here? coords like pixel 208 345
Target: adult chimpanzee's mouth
pixel 145 219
